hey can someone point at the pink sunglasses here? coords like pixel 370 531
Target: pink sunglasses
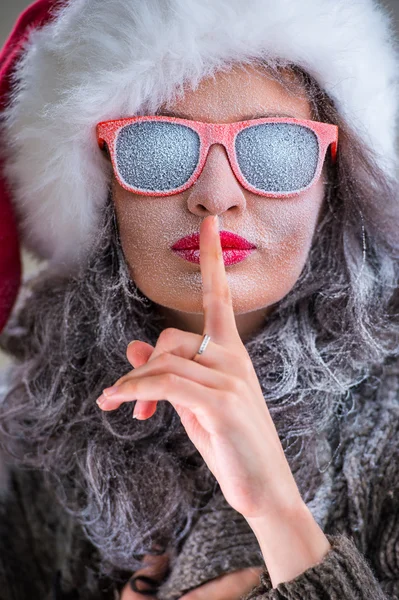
pixel 160 156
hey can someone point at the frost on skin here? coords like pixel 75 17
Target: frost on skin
pixel 282 230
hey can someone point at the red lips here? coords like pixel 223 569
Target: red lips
pixel 227 239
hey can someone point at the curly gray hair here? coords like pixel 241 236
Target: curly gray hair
pixel 132 483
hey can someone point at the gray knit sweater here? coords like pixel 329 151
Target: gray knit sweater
pixel 45 555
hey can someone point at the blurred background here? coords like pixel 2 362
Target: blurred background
pixel 9 11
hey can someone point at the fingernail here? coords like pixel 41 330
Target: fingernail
pixel 100 401
pixel 136 414
pixel 146 591
pixel 133 342
pixel 111 390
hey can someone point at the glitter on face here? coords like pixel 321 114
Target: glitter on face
pixel 157 156
pixel 278 157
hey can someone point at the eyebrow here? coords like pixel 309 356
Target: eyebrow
pixel 178 115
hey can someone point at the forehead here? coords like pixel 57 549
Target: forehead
pixel 243 92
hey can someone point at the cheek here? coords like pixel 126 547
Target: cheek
pixel 288 231
pixel 294 234
pixel 136 216
pixel 141 233
pixel 148 226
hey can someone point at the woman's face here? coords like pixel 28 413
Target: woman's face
pixel 281 229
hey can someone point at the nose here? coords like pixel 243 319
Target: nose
pixel 217 189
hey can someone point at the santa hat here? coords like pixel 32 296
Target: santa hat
pixel 69 64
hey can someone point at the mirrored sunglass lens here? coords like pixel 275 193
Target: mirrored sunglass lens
pixel 156 156
pixel 277 157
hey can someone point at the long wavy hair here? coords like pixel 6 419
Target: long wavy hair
pixel 133 483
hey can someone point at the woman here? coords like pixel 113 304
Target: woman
pixel 265 378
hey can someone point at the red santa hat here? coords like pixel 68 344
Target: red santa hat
pixel 69 64
pixel 10 259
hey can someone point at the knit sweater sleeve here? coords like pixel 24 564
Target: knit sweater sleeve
pixel 220 542
pixel 363 562
pixel 343 574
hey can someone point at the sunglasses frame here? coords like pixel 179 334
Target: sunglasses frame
pixel 219 133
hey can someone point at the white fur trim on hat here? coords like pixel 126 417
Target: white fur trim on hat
pixel 108 59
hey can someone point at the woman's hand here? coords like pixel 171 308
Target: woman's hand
pixel 217 396
pixel 231 586
pixel 154 567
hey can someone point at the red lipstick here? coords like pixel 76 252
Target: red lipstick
pixel 234 247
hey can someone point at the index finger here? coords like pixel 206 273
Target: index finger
pixel 219 319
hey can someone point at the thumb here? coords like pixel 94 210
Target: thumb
pixel 138 353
